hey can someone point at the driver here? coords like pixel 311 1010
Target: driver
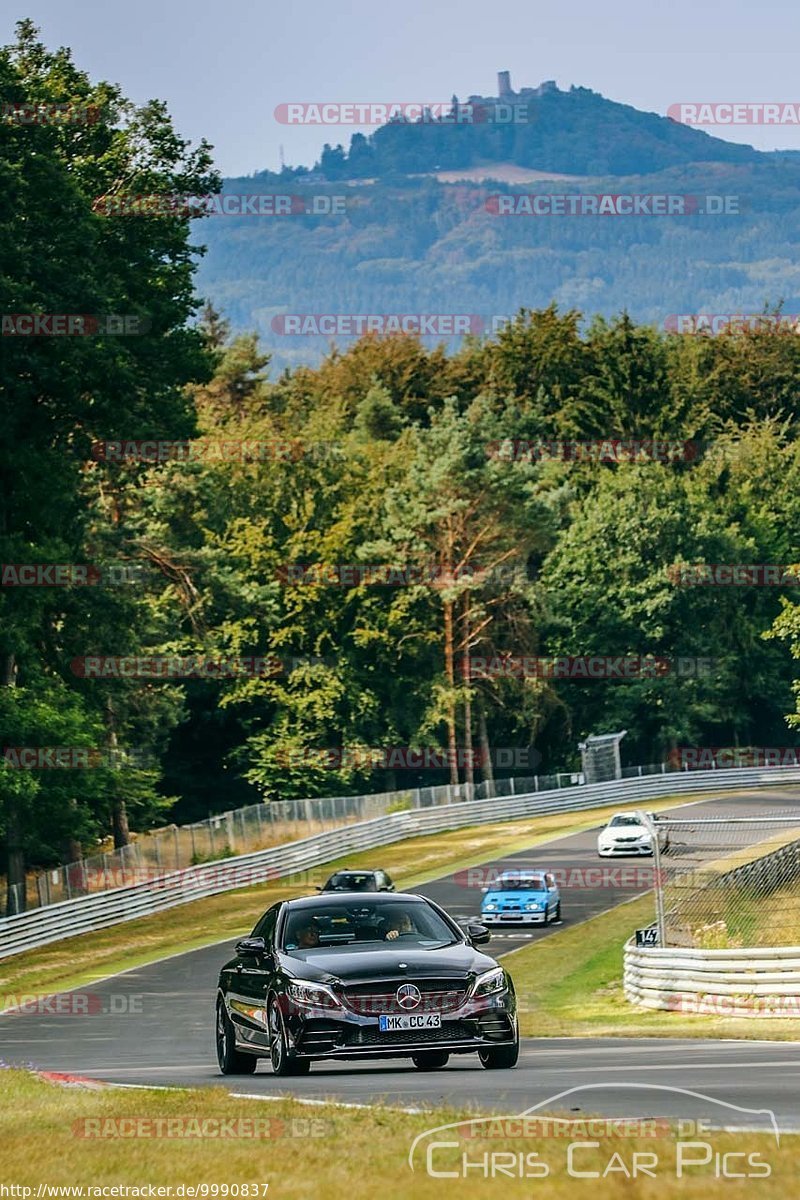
pixel 394 926
pixel 308 936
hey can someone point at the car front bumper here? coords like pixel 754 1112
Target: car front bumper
pixel 624 849
pixel 478 1025
pixel 513 918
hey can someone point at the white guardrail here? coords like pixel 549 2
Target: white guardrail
pixel 84 914
pixel 759 982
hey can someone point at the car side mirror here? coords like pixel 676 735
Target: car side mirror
pixel 251 947
pixel 318 888
pixel 484 889
pixel 478 934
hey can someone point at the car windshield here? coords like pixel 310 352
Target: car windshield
pixel 351 881
pixel 520 883
pixel 615 822
pixel 342 923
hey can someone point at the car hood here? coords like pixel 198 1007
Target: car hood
pixel 368 965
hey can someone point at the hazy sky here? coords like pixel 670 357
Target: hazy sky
pixel 223 68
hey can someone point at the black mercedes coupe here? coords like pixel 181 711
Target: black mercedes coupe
pixel 359 976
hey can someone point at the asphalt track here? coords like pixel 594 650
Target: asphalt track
pixel 154 1025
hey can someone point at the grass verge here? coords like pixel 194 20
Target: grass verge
pixel 103 1139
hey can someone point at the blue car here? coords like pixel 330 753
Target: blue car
pixel 522 898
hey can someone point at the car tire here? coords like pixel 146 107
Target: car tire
pixel 430 1060
pixel 231 1061
pixel 557 914
pixel 281 1059
pixel 500 1058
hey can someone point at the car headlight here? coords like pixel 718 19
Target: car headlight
pixel 533 905
pixel 490 982
pixel 489 907
pixel 312 995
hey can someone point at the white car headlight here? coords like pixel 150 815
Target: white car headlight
pixel 533 905
pixel 312 995
pixel 490 982
pixel 490 907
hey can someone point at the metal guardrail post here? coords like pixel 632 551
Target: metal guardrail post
pixel 658 884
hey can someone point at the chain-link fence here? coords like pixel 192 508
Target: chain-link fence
pixel 728 882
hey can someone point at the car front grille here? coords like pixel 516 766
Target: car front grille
pixel 370 1000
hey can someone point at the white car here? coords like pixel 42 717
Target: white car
pixel 630 833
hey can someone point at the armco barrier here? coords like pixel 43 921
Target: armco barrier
pixel 41 926
pixel 762 982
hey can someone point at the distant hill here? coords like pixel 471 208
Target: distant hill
pixel 578 132
pixel 420 233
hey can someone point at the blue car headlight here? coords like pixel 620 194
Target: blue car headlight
pixel 533 905
pixel 490 907
pixel 490 982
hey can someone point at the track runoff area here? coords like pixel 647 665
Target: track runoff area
pixel 153 1026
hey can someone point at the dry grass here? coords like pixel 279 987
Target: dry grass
pixel 328 1153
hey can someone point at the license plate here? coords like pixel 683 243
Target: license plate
pixel 410 1021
